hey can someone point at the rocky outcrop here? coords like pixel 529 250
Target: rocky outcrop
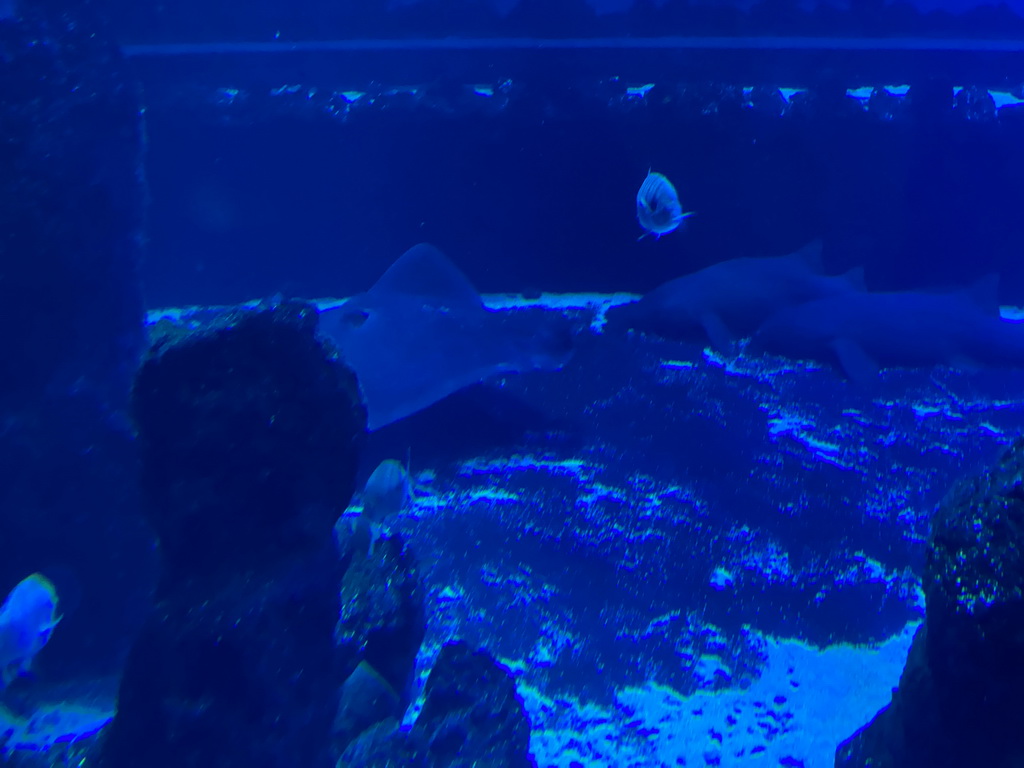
pixel 249 432
pixel 472 715
pixel 71 214
pixel 958 702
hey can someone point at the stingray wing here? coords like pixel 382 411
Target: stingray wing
pixel 428 275
pixel 422 333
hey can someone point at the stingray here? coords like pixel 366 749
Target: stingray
pixel 422 332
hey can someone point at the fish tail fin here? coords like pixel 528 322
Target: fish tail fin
pixel 810 255
pixel 855 277
pixel 410 482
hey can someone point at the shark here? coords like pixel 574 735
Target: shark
pixel 422 332
pixel 862 333
pixel 731 299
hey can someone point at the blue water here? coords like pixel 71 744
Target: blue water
pixel 683 552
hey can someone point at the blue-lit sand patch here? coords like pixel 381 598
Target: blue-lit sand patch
pixel 805 702
pixel 59 727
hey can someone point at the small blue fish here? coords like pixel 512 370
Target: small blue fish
pixel 27 619
pixel 657 206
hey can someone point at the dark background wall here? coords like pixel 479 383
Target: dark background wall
pixel 305 194
pixel 193 20
pixel 539 194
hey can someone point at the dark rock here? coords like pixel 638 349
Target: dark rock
pixel 884 104
pixel 384 746
pixel 366 700
pixel 71 211
pixel 958 702
pixel 381 624
pixel 249 433
pixel 246 422
pixel 472 714
pixel 769 101
pixel 974 103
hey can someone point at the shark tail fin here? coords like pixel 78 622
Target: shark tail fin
pixel 810 255
pixel 855 277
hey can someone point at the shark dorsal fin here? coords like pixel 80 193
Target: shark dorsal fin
pixel 810 255
pixel 425 271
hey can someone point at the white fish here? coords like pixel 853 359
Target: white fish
pixel 27 619
pixel 388 493
pixel 657 206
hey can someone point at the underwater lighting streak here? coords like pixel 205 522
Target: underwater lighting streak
pixel 582 43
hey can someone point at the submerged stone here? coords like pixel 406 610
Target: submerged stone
pixel 958 701
pixel 249 432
